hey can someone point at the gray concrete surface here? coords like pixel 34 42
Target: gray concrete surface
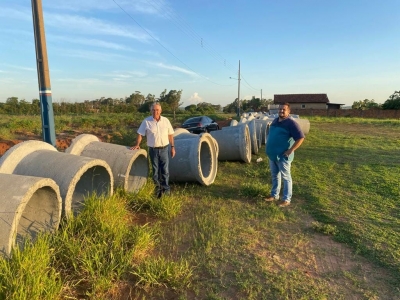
pixel 234 143
pixel 130 168
pixel 196 158
pixel 76 176
pixel 28 205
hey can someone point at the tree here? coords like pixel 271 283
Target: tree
pixel 173 99
pixel 191 108
pixel 230 108
pixel 393 102
pixel 365 104
pixel 136 99
pixel 12 105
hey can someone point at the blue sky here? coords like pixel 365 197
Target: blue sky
pixel 112 48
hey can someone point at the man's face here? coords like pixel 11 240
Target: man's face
pixel 156 111
pixel 284 111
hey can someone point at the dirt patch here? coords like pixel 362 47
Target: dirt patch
pixel 224 123
pixel 348 273
pixel 61 144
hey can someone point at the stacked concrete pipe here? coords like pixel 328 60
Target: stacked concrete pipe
pixel 76 176
pixel 253 134
pixel 233 123
pixel 28 205
pixel 196 158
pixel 304 124
pixel 130 168
pixel 234 143
pixel 263 124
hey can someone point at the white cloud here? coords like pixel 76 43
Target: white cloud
pixel 83 25
pixel 175 68
pixel 90 42
pixel 20 67
pixel 194 99
pixel 16 14
pixel 138 6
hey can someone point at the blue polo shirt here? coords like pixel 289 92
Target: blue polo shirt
pixel 281 137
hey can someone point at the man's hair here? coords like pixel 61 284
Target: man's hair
pixel 286 103
pixel 154 104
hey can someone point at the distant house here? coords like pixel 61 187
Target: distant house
pixel 306 101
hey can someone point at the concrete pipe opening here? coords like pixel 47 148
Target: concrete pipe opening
pixel 196 158
pixel 28 206
pixel 130 168
pixel 76 176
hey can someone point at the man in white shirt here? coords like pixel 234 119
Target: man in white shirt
pixel 160 135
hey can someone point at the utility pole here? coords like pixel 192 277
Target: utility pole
pixel 46 104
pixel 238 104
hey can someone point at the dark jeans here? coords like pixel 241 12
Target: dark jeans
pixel 159 159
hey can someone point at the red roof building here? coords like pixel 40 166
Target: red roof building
pixel 304 101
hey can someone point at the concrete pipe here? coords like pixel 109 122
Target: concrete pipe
pixel 130 168
pixel 28 205
pixel 304 124
pixel 196 158
pixel 253 135
pixel 233 123
pixel 263 124
pixel 243 120
pixel 77 176
pixel 259 132
pixel 234 143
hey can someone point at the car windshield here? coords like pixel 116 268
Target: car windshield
pixel 193 120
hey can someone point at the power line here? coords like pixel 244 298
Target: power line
pixel 167 48
pixel 187 29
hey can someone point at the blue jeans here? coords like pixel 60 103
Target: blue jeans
pixel 159 159
pixel 280 169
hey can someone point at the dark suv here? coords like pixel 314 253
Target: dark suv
pixel 200 124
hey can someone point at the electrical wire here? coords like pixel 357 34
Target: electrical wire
pixel 167 48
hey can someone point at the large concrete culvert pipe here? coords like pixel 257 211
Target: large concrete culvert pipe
pixel 234 143
pixel 253 135
pixel 264 128
pixel 28 205
pixel 77 176
pixel 196 158
pixel 130 168
pixel 304 125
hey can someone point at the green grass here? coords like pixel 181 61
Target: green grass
pixel 338 240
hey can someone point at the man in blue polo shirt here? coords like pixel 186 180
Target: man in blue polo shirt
pixel 284 137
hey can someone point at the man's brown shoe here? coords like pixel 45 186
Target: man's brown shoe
pixel 270 199
pixel 284 203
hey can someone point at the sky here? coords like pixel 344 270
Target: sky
pixel 348 49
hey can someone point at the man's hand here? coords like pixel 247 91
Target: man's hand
pixel 134 147
pixel 173 152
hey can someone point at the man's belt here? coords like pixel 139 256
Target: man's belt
pixel 162 147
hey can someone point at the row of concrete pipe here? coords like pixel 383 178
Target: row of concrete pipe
pixel 39 185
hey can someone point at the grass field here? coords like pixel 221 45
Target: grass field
pixel 338 240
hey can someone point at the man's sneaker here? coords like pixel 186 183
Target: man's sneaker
pixel 270 199
pixel 284 203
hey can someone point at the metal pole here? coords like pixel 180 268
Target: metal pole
pixel 238 108
pixel 46 104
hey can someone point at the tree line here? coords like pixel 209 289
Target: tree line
pixel 170 101
pixel 393 102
